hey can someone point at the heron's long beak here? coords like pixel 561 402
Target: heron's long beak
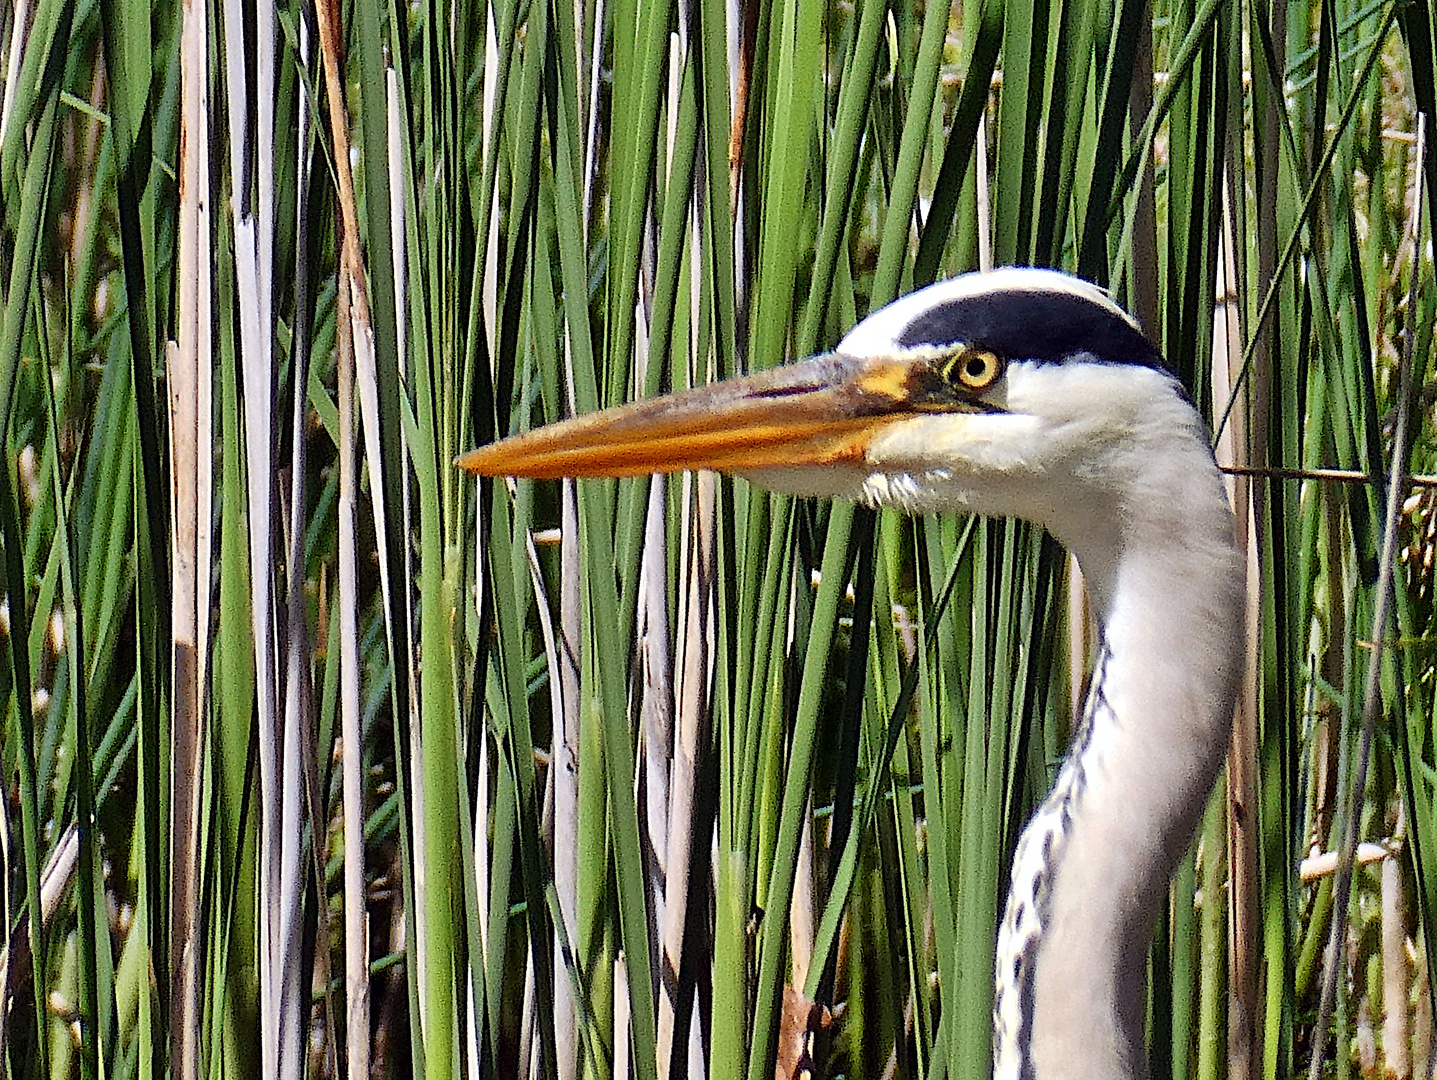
pixel 819 412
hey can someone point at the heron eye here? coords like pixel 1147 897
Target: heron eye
pixel 974 369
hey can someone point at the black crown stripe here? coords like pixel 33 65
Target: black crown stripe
pixel 1043 325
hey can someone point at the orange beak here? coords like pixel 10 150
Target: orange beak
pixel 823 411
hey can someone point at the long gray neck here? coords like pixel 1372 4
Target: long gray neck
pixel 1091 869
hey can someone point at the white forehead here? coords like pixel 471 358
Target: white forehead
pixel 878 335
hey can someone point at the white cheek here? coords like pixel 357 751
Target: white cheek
pixel 960 444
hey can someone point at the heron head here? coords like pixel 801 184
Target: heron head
pixel 1015 392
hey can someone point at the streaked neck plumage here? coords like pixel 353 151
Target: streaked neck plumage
pixel 1092 867
pixel 1114 460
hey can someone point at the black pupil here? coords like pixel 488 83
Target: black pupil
pixel 976 367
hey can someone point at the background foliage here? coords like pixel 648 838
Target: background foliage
pixel 321 758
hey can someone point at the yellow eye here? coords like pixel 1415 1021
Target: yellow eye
pixel 974 370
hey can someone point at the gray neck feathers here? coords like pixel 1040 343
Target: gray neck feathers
pixel 1092 867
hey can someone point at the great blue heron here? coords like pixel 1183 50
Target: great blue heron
pixel 1022 393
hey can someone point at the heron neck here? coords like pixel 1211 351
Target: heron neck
pixel 1092 867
